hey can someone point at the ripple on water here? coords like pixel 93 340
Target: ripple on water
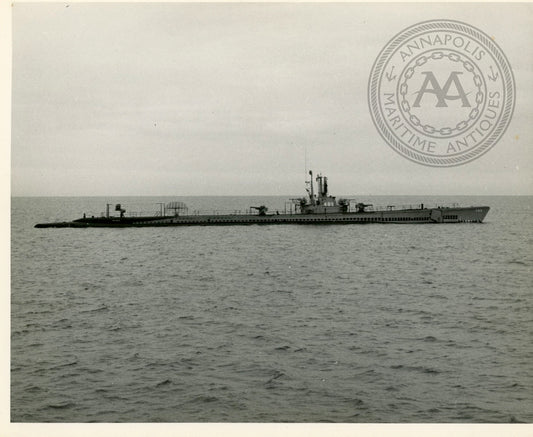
pixel 255 324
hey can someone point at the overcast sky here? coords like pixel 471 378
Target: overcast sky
pixel 227 99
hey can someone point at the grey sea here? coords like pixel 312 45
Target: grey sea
pixel 288 323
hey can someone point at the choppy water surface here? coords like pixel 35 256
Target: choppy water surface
pixel 340 323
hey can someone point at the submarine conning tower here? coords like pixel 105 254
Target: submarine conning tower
pixel 321 202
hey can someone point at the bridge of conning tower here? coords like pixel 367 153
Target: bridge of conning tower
pixel 321 202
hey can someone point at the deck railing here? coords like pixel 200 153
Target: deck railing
pixel 291 211
pixel 376 208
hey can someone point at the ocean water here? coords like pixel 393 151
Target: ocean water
pixel 336 323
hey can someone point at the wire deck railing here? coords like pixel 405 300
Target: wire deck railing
pixel 285 211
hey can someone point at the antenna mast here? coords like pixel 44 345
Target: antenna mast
pixel 311 192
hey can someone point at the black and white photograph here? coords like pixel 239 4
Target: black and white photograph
pixel 277 218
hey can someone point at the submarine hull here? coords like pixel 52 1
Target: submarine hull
pixel 427 215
